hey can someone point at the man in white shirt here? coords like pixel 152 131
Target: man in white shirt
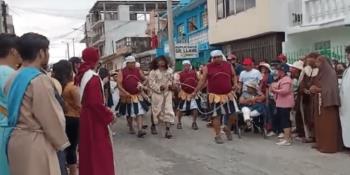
pixel 249 74
pixel 345 103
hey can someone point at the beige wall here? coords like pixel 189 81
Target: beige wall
pixel 267 16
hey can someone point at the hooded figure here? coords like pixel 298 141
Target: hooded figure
pixel 95 148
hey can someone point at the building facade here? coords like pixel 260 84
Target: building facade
pixel 9 22
pixel 190 28
pixel 248 28
pixel 318 25
pixel 111 22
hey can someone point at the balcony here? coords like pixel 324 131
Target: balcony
pixel 318 12
pixel 134 45
pixel 325 11
pixel 200 38
pixel 98 38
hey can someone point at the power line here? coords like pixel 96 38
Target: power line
pixel 53 13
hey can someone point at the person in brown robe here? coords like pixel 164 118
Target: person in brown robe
pixel 327 122
pixel 306 101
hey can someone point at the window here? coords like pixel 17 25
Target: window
pixel 220 9
pixel 323 45
pixel 139 17
pixel 249 4
pixel 204 19
pixel 231 7
pixel 240 5
pixel 226 8
pixel 150 7
pixel 133 16
pixel 180 30
pixel 191 24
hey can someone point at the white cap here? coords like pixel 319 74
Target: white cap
pixel 186 62
pixel 130 59
pixel 216 53
pixel 298 65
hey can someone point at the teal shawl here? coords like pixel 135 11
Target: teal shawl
pixel 15 97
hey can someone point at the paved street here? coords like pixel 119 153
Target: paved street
pixel 195 153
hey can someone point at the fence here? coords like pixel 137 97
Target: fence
pixel 337 53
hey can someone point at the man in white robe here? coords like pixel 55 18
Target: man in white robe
pixel 345 103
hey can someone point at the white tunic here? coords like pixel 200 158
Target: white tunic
pixel 345 107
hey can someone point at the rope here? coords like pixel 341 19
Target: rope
pixel 197 95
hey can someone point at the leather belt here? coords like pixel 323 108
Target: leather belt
pixel 3 111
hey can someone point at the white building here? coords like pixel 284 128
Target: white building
pixel 318 25
pixel 253 28
pixel 9 21
pixel 109 22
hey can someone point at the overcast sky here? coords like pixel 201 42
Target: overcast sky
pixel 54 19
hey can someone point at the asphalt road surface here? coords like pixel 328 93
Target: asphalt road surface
pixel 195 153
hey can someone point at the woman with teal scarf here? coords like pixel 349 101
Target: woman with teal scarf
pixel 9 60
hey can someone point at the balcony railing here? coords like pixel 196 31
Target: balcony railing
pixel 98 38
pixel 324 11
pixel 198 37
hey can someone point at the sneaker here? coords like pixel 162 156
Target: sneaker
pixel 284 143
pixel 132 131
pixel 280 136
pixel 179 126
pixel 168 135
pixel 249 124
pixel 194 126
pixel 154 130
pixel 271 134
pixel 141 134
pixel 228 134
pixel 219 140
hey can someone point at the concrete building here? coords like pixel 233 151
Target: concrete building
pixel 318 25
pixel 191 28
pixel 253 28
pixel 108 22
pixel 9 22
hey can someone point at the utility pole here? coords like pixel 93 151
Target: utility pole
pixel 4 15
pixel 170 32
pixel 73 47
pixel 68 50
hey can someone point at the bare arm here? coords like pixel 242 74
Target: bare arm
pixel 234 79
pixel 143 78
pixel 260 99
pixel 202 81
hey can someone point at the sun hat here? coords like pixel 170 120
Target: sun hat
pixel 298 65
pixel 266 65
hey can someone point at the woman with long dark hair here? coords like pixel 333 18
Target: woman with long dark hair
pixel 63 72
pixel 76 62
pixel 106 77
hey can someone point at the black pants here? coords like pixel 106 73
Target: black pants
pixel 284 117
pixel 72 130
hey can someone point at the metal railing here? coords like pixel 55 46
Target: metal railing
pixel 337 53
pixel 319 11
